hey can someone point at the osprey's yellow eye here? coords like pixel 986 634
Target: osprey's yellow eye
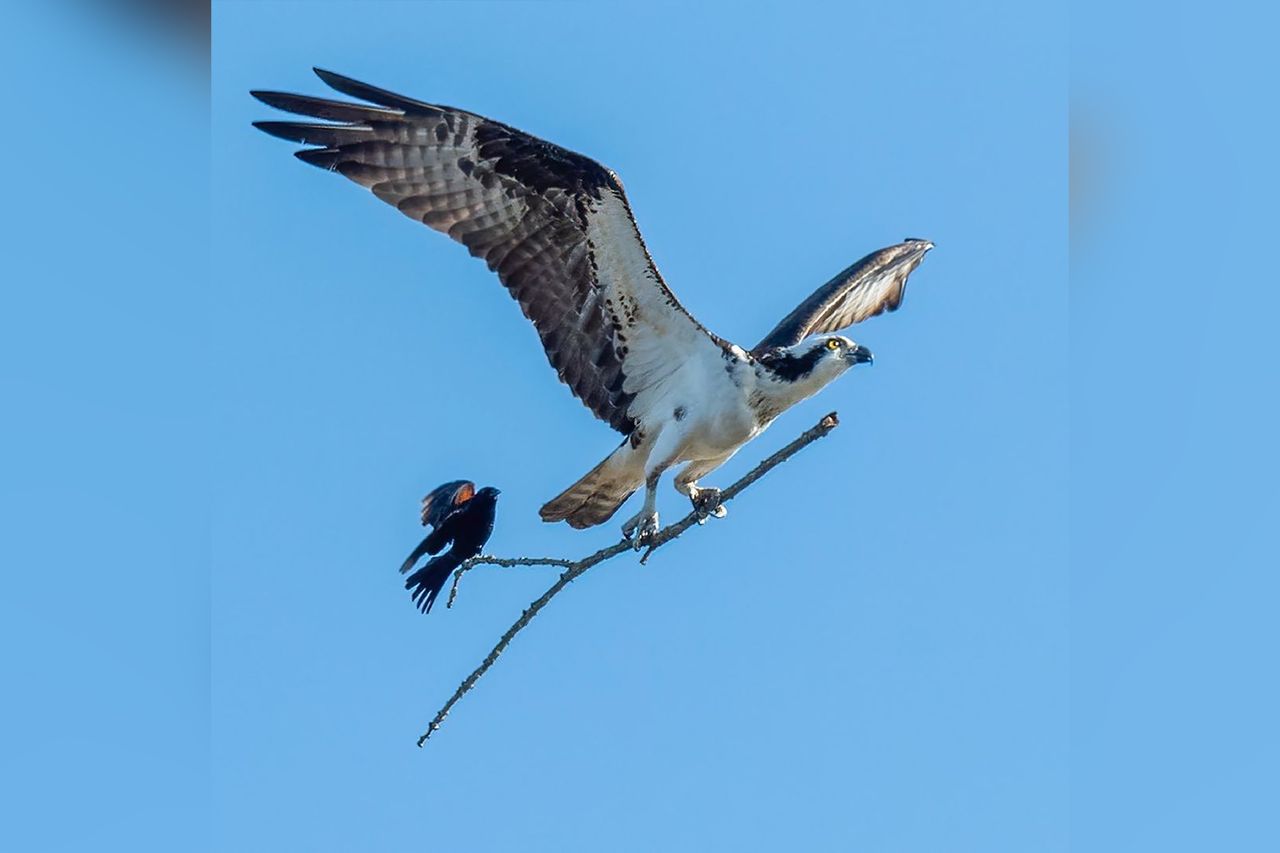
pixel 833 344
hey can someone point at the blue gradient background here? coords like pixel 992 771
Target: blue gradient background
pixel 1174 420
pixel 869 652
pixel 1022 599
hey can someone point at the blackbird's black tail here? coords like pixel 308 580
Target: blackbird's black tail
pixel 426 582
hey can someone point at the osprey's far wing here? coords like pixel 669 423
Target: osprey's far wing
pixel 871 286
pixel 554 225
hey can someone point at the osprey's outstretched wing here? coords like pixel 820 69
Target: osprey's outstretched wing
pixel 554 225
pixel 871 286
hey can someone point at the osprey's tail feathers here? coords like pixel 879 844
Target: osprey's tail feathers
pixel 596 497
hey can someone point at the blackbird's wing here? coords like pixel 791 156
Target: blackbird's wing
pixel 436 541
pixel 417 554
pixel 443 500
pixel 438 508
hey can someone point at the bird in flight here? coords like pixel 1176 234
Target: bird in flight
pixel 457 514
pixel 557 229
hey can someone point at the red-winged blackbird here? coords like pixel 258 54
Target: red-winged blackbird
pixel 459 514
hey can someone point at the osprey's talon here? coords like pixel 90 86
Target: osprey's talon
pixel 648 531
pixel 640 530
pixel 706 503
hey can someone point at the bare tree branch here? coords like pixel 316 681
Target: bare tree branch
pixel 573 569
pixel 508 562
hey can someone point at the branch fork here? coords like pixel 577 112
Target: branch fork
pixel 575 568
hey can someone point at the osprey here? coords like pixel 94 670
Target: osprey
pixel 557 229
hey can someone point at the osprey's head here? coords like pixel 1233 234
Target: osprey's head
pixel 816 360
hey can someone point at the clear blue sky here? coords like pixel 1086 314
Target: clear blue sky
pixel 1174 419
pixel 1023 597
pixel 869 651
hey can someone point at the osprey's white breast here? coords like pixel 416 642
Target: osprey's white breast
pixel 707 403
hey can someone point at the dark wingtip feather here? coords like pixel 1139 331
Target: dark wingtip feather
pixel 286 101
pixel 372 94
pixel 278 129
pixel 323 158
pixel 323 135
pixel 324 108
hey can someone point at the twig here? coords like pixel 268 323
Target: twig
pixel 575 568
pixel 509 562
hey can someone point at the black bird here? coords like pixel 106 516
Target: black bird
pixel 459 514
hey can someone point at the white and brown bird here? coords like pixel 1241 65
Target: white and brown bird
pixel 556 228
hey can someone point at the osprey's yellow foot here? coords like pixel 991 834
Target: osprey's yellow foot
pixel 706 503
pixel 641 529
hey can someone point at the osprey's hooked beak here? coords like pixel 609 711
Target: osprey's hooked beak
pixel 859 355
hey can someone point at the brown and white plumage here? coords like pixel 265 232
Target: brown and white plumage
pixel 557 229
pixel 869 286
pixel 519 203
